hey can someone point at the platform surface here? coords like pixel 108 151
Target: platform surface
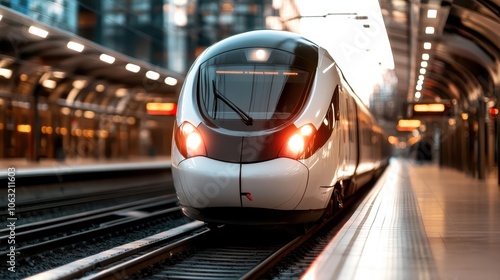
pixel 24 167
pixel 418 222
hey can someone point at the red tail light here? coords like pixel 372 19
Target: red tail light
pixel 297 143
pixel 189 141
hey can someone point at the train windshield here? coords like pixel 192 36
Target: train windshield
pixel 239 92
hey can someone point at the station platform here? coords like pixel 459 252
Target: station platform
pixel 25 168
pixel 71 177
pixel 418 222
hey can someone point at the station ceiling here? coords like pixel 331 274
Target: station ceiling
pixel 463 64
pixel 462 61
pixel 53 53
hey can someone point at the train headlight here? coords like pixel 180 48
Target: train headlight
pixel 297 143
pixel 189 141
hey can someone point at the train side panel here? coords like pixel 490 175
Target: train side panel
pixel 366 159
pixel 349 132
pixel 323 165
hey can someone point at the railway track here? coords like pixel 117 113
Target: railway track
pixel 189 251
pixel 235 253
pixel 57 244
pixel 35 206
pixel 43 202
pixel 125 256
pixel 85 217
pixel 193 251
pixel 48 235
pixel 212 255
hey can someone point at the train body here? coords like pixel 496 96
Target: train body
pixel 268 131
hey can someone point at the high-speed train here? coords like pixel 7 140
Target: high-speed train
pixel 268 131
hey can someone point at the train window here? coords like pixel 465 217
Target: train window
pixel 269 94
pixel 352 119
pixel 326 128
pixel 336 109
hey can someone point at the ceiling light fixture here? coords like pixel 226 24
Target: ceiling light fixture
pixel 152 75
pixel 132 67
pixel 6 73
pixel 38 31
pixel 170 81
pixel 75 46
pixel 432 13
pixel 107 58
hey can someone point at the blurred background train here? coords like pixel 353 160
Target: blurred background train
pixel 268 131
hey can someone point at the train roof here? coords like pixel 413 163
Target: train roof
pixel 283 40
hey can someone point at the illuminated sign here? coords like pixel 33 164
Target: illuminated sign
pixel 408 124
pixel 434 108
pixel 157 108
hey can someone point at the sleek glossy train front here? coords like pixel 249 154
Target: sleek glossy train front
pixel 269 132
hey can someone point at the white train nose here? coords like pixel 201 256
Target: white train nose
pixel 208 183
pixel 276 184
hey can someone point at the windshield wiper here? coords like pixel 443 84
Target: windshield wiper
pixel 243 115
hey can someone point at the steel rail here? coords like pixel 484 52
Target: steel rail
pixel 80 267
pixel 89 214
pixel 122 270
pixel 93 233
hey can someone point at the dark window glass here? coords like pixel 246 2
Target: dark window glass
pixel 326 128
pixel 269 93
